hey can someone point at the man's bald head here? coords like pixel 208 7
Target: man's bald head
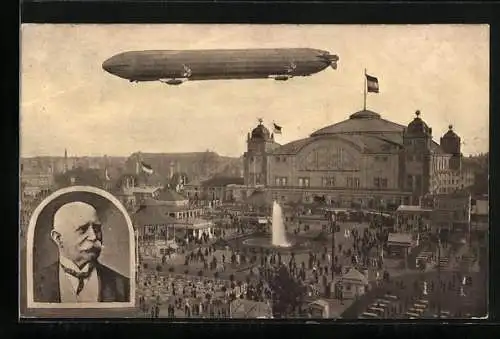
pixel 77 232
pixel 73 215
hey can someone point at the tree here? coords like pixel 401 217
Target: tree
pixel 287 293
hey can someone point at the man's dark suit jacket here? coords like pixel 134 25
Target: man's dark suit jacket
pixel 113 287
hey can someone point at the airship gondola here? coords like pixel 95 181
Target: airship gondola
pixel 174 67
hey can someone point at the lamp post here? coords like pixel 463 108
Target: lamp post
pixel 438 238
pixel 332 217
pixel 136 249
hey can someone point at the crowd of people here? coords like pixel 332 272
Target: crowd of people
pixel 364 245
pixel 184 296
pixel 195 293
pixel 313 270
pixel 216 273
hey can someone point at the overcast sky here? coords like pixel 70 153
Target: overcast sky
pixel 68 101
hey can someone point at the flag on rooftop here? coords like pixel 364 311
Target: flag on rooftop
pixel 277 129
pixel 146 168
pixel 372 84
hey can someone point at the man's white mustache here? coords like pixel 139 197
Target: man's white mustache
pixel 95 244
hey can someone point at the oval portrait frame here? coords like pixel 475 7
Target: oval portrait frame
pixel 31 304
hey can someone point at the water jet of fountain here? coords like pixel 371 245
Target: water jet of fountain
pixel 278 227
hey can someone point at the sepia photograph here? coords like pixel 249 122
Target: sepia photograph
pixel 254 171
pixel 68 265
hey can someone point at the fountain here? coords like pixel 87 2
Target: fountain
pixel 278 227
pixel 278 240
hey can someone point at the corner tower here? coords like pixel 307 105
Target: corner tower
pixel 451 144
pixel 417 145
pixel 260 142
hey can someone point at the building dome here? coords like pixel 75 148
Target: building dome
pixel 365 114
pixel 450 142
pixel 261 132
pixel 418 126
pixel 362 122
pixel 451 134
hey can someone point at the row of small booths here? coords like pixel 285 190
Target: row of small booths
pixel 161 227
pixel 352 284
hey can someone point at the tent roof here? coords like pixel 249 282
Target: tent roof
pixel 152 215
pixel 320 302
pixel 355 275
pixel 400 237
pixel 142 189
pixel 221 181
pixel 412 208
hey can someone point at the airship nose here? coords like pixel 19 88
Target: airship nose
pixel 108 65
pixel 328 56
pixel 330 59
pixel 333 57
pixel 119 65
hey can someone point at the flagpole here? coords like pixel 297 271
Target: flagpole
pixel 364 92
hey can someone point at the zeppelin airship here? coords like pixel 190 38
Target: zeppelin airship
pixel 174 67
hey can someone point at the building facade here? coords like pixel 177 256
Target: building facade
pixel 364 161
pixel 456 173
pixel 452 211
pixel 260 146
pixel 132 192
pixel 164 219
pixel 218 188
pixel 34 184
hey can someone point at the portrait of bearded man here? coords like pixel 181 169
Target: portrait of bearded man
pixel 78 276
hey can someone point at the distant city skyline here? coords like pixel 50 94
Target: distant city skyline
pixel 73 156
pixel 69 102
pixel 127 156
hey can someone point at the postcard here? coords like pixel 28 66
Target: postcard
pixel 254 171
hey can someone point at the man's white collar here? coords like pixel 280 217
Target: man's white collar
pixel 69 264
